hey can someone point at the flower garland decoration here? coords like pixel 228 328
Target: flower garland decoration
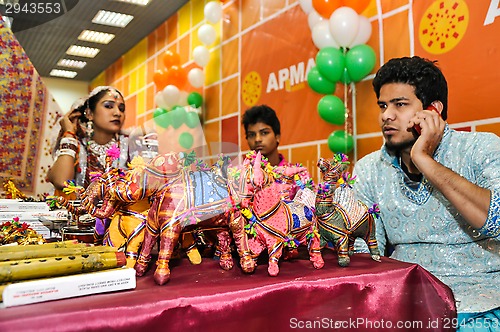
pixel 20 233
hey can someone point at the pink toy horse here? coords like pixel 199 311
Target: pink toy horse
pixel 272 222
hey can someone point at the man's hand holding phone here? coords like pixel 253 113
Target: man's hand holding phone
pixel 429 108
pixel 432 123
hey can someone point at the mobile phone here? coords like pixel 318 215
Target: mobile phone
pixel 430 108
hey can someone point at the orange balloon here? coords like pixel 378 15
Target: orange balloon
pixel 177 76
pixel 160 79
pixel 326 7
pixel 358 5
pixel 171 59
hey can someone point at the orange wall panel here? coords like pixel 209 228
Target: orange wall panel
pixel 229 98
pixel 230 23
pixel 212 102
pixel 230 55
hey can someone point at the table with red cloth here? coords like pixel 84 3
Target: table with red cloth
pixel 366 296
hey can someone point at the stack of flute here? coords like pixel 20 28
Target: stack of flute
pixel 49 260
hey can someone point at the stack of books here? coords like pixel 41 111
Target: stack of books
pixel 30 213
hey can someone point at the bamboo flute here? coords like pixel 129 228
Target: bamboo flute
pixel 52 252
pixel 63 244
pixel 59 266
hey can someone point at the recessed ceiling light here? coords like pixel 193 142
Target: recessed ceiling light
pixel 63 73
pixel 71 63
pixel 88 52
pixel 111 18
pixel 96 37
pixel 136 2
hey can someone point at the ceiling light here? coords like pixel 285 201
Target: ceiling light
pixel 63 73
pixel 136 2
pixel 71 63
pixel 96 37
pixel 88 52
pixel 111 18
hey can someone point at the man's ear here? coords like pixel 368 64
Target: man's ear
pixel 278 137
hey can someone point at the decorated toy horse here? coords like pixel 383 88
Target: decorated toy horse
pixel 272 223
pixel 342 218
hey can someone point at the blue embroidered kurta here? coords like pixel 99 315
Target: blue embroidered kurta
pixel 424 228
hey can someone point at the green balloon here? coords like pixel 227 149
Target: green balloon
pixel 161 118
pixel 330 62
pixel 176 107
pixel 186 140
pixel 332 110
pixel 346 79
pixel 192 119
pixel 360 61
pixel 195 99
pixel 340 141
pixel 319 83
pixel 177 116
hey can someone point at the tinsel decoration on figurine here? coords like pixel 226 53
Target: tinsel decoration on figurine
pixel 20 233
pixel 341 217
pixel 11 191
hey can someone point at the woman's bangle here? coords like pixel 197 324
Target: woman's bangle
pixel 68 133
pixel 67 152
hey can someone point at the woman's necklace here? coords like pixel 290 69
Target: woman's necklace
pixel 99 151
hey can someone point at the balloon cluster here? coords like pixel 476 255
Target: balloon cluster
pixel 340 34
pixel 171 99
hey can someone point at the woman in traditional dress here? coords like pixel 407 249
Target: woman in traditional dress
pixel 80 151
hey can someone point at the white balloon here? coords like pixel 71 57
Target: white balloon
pixel 183 98
pixel 201 55
pixel 306 5
pixel 171 95
pixel 322 37
pixel 196 77
pixel 314 18
pixel 206 34
pixel 364 32
pixel 213 11
pixel 160 101
pixel 344 25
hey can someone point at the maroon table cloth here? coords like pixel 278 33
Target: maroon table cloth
pixel 366 296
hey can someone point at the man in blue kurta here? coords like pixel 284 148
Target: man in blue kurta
pixel 438 189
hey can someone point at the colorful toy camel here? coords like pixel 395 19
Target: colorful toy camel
pixel 272 223
pixel 179 198
pixel 342 218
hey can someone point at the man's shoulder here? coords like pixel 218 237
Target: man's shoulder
pixel 370 158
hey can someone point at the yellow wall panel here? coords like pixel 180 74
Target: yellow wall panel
pixel 184 17
pixel 141 76
pixel 141 102
pixel 132 87
pixel 198 15
pixel 135 56
pixel 212 70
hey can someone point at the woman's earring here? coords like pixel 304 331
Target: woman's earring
pixel 90 129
